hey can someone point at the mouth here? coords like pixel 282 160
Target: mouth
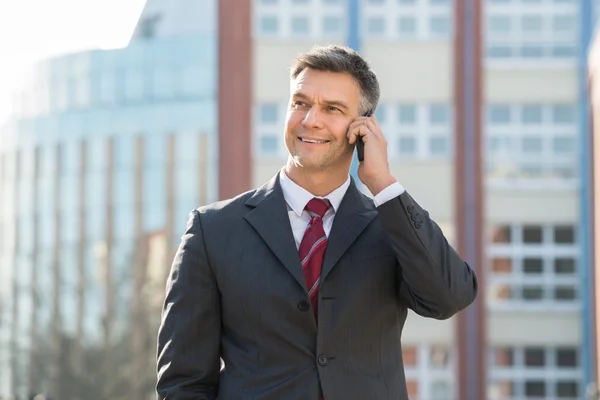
pixel 313 141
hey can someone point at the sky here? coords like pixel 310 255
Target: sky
pixel 33 30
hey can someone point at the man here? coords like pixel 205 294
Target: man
pixel 302 286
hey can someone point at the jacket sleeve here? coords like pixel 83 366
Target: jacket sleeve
pixel 433 280
pixel 188 356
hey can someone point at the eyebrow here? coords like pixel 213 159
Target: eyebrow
pixel 338 103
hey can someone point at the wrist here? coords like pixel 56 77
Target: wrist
pixel 376 186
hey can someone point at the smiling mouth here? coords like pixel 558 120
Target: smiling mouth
pixel 313 141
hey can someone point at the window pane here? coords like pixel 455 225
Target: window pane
pixel 407 26
pixel 566 358
pixel 409 355
pixel 532 114
pixel 531 23
pixel 499 24
pixel 501 234
pixel 533 293
pixel 564 51
pixel 381 114
pixel 564 266
pixel 563 144
pixel 563 114
pixel 332 25
pixel 502 265
pixel 499 114
pixel 376 26
pixel 268 145
pixel 532 144
pixel 504 357
pixel 408 145
pixel 567 389
pixel 407 114
pixel 533 266
pixel 439 145
pixel 565 293
pixel 268 113
pixel 535 388
pixel 439 114
pixel 300 25
pixel 268 25
pixel 532 51
pixel 535 357
pixel 563 23
pixel 532 234
pixel 440 26
pixel 499 51
pixel 564 235
pixel 439 357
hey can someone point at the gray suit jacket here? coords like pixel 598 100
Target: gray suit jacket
pixel 236 291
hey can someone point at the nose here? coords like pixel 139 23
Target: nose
pixel 312 119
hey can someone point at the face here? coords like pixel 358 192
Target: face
pixel 322 106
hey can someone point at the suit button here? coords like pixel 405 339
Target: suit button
pixel 322 360
pixel 410 208
pixel 304 305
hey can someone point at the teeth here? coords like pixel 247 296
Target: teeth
pixel 313 141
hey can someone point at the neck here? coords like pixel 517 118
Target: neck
pixel 318 183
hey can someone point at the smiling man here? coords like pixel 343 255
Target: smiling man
pixel 302 286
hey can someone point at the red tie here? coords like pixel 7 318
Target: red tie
pixel 312 248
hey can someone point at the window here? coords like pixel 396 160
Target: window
pixel 268 113
pixel 381 114
pixel 563 23
pixel 563 114
pixel 533 266
pixel 376 26
pixel 428 368
pixel 300 25
pixel 440 26
pixel 499 24
pixel 407 26
pixel 439 114
pixel 408 146
pixel 407 114
pixel 563 144
pixel 532 144
pixel 499 51
pixel 534 372
pixel 532 114
pixel 268 2
pixel 269 25
pixel 499 114
pixel 531 23
pixel 332 25
pixel 439 145
pixel 268 145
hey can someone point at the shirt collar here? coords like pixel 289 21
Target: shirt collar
pixel 297 197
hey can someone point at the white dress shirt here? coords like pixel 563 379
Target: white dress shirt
pixel 297 197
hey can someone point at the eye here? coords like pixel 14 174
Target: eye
pixel 332 108
pixel 298 103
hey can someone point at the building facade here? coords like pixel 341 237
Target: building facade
pixel 105 152
pixel 110 150
pixel 530 126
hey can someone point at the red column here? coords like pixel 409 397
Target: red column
pixel 471 323
pixel 235 96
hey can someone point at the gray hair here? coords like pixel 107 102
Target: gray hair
pixel 335 58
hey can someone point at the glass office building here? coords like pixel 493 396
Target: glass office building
pixel 106 154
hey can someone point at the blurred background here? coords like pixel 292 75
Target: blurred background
pixel 120 117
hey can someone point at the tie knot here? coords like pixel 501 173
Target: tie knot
pixel 317 207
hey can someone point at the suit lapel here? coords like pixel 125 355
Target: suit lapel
pixel 270 220
pixel 354 215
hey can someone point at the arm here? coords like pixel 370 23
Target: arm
pixel 433 280
pixel 189 334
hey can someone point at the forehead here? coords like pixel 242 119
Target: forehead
pixel 330 85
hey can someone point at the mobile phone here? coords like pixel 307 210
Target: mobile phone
pixel 360 146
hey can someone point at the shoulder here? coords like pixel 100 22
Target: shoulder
pixel 231 208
